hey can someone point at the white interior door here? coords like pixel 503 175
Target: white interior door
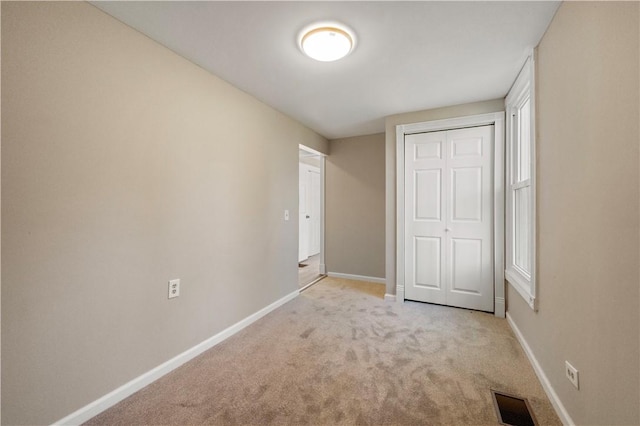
pixel 303 220
pixel 449 217
pixel 314 211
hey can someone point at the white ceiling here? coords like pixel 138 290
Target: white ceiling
pixel 409 56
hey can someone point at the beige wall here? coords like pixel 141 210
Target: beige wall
pixel 124 166
pixel 588 281
pixel 354 210
pixel 391 122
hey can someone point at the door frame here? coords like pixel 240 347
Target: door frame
pixel 323 266
pixel 497 119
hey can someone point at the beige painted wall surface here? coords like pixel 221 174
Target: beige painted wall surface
pixel 588 107
pixel 354 210
pixel 124 166
pixel 391 122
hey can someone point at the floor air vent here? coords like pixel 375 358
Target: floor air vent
pixel 512 410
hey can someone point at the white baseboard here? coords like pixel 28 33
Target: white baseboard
pixel 99 405
pixel 357 277
pixel 390 297
pixel 323 269
pixel 562 412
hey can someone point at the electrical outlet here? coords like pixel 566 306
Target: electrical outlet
pixel 174 288
pixel 572 374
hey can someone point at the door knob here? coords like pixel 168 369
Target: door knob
pixel 447 229
pixel 308 216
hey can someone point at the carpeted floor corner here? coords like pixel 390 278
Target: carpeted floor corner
pixel 339 354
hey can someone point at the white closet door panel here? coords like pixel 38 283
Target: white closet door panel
pixel 466 146
pixel 466 194
pixel 424 215
pixel 466 265
pixel 428 253
pixel 427 149
pixel 428 197
pixel 449 217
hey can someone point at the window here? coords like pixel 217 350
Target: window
pixel 520 188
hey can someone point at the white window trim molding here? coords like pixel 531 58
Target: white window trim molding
pixel 523 284
pixel 497 119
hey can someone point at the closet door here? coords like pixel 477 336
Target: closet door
pixel 449 217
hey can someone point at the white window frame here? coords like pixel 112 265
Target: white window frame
pixel 524 87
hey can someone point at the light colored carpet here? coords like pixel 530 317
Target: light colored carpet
pixel 339 354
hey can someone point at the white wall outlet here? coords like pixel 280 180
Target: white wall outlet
pixel 286 215
pixel 572 374
pixel 174 288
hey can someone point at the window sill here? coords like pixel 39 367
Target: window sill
pixel 522 286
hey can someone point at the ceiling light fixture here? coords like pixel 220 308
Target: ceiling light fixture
pixel 327 42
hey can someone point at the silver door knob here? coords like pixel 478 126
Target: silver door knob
pixel 308 216
pixel 447 229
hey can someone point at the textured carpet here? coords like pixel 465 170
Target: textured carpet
pixel 339 354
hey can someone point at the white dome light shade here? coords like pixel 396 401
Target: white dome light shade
pixel 327 43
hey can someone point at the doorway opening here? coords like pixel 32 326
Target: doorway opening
pixel 311 266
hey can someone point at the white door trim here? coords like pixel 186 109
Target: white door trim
pixel 496 119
